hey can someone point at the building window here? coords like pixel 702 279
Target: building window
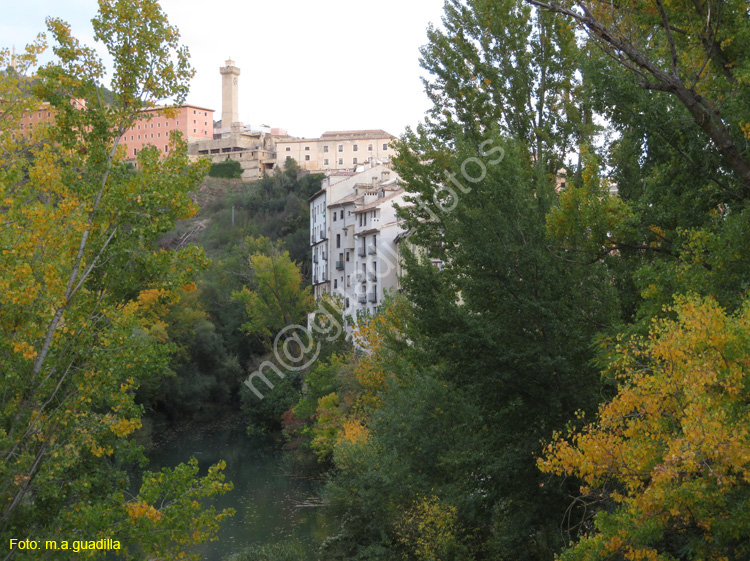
pixel 354 161
pixel 195 130
pixel 341 147
pixel 347 302
pixel 385 146
pixel 369 147
pixel 158 125
pixel 325 149
pixel 166 148
pixel 356 148
pixel 341 161
pixel 307 157
pixel 325 162
pixel 347 256
pixel 334 217
pixel 307 148
pixel 342 215
pixel 338 241
pixel 135 151
pixel 195 122
pixel 335 283
pixel 288 149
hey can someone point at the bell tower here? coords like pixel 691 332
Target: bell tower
pixel 229 95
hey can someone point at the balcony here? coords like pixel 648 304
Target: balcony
pixel 372 250
pixel 324 256
pixel 361 277
pixel 339 265
pixel 361 252
pixel 315 258
pixel 372 276
pixel 372 297
pixel 362 299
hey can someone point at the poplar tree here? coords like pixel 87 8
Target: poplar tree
pixel 79 280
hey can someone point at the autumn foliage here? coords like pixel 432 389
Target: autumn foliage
pixel 670 454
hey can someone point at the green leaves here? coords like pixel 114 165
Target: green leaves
pixel 80 280
pixel 148 61
pixel 278 300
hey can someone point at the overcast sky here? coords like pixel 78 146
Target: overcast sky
pixel 306 66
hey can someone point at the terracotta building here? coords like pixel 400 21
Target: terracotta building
pixel 194 122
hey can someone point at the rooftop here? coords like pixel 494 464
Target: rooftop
pixel 379 201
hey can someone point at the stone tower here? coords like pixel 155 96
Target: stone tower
pixel 229 95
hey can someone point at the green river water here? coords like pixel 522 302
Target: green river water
pixel 265 499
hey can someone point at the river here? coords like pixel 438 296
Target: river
pixel 265 499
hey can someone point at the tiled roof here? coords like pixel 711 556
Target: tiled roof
pixel 351 198
pixel 381 200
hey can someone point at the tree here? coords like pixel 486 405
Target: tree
pixel 504 67
pixel 509 323
pixel 278 299
pixel 277 306
pixel 231 169
pixel 76 334
pixel 670 80
pixel 666 462
pixel 696 52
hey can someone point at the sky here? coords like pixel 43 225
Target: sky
pixel 306 66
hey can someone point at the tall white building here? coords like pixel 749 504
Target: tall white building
pixel 353 232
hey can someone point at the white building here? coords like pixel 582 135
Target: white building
pixel 336 150
pixel 353 229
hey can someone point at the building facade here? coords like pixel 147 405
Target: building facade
pixel 336 150
pixel 155 127
pixel 353 233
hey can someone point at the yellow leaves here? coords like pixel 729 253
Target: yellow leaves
pixel 123 427
pixel 99 451
pixel 353 432
pixel 150 297
pixel 20 479
pixel 677 435
pixel 429 529
pixel 371 335
pixel 141 509
pixel 23 348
